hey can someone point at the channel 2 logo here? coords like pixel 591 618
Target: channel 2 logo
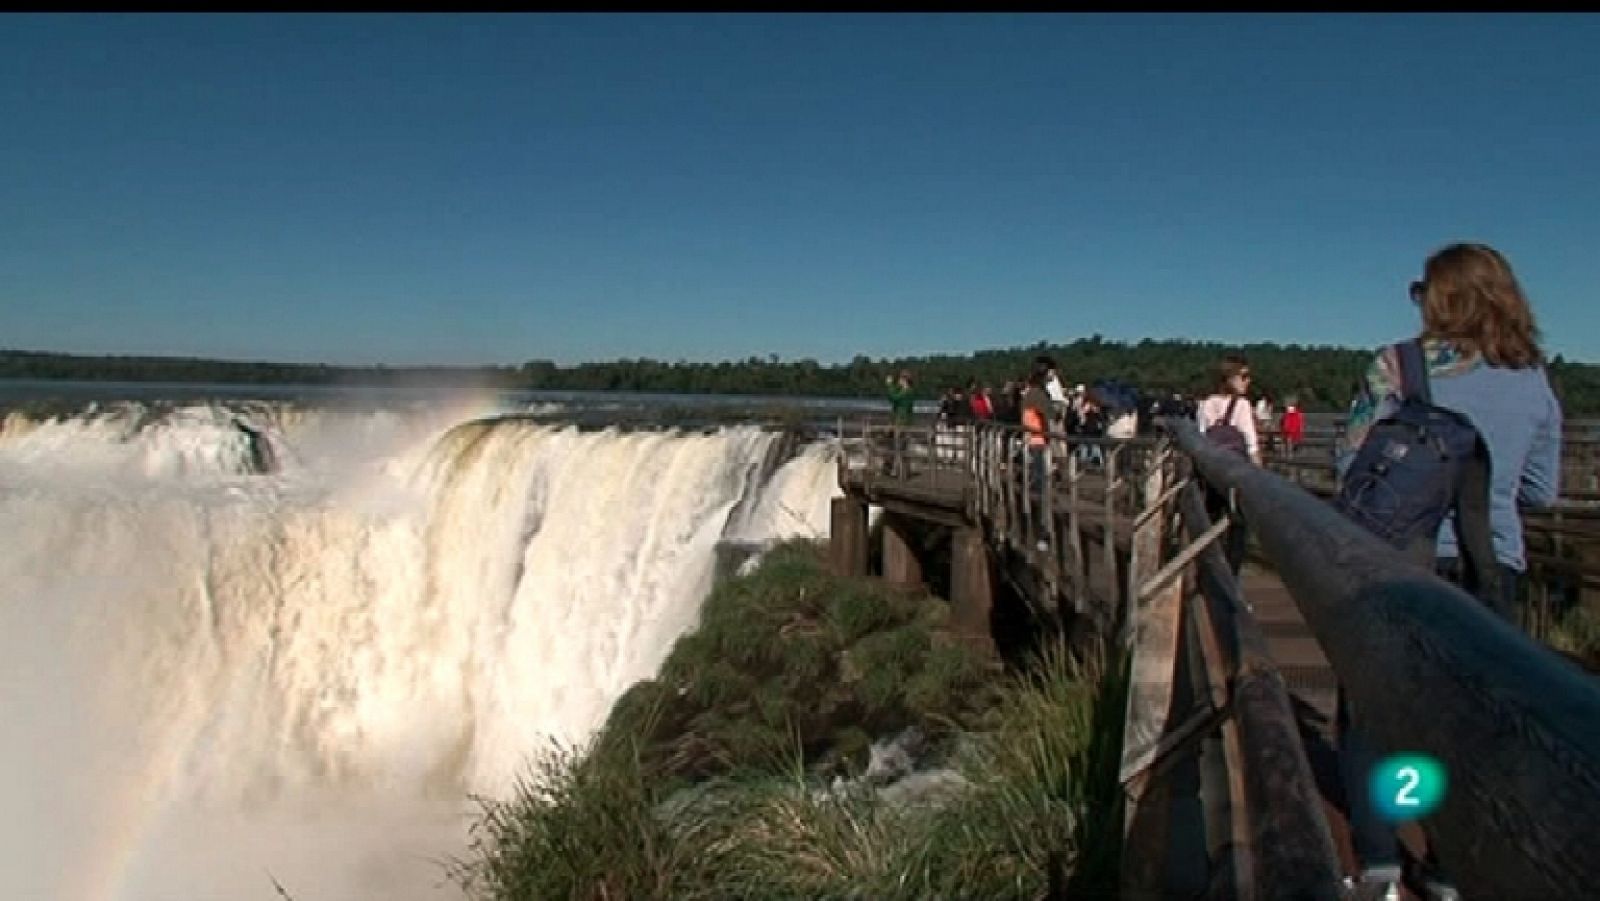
pixel 1407 787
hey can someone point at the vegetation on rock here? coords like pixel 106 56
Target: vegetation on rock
pixel 737 772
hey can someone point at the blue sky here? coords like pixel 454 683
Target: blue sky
pixel 487 189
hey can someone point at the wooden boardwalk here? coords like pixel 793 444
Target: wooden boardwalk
pixel 949 496
pixel 1312 689
pixel 1305 668
pixel 1311 684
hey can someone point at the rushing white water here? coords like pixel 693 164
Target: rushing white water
pixel 213 678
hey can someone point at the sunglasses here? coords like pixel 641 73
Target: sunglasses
pixel 1418 289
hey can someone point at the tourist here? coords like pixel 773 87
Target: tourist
pixel 1119 402
pixel 1089 422
pixel 958 425
pixel 1479 345
pixel 1005 404
pixel 1036 423
pixel 1054 392
pixel 1019 390
pixel 1228 405
pixel 1264 411
pixel 1292 425
pixel 901 403
pixel 1266 423
pixel 901 400
pixel 982 407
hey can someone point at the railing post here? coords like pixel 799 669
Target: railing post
pixel 869 444
pixel 1156 624
pixel 1013 504
pixel 971 587
pixel 1109 550
pixel 1144 554
pixel 979 481
pixel 1048 502
pixel 848 536
pixel 1029 514
pixel 1061 533
pixel 1080 565
pixel 901 566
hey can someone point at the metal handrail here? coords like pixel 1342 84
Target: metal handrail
pixel 1431 670
pixel 1204 677
pixel 1285 842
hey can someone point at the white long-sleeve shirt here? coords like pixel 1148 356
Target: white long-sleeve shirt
pixel 1211 411
pixel 1052 387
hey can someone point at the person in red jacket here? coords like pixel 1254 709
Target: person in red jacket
pixel 978 396
pixel 1292 425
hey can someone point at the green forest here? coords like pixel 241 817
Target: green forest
pixel 1322 377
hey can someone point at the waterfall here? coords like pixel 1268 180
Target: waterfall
pixel 244 644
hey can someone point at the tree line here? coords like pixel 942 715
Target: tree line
pixel 1322 377
pixel 16 364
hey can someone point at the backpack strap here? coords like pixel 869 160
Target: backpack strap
pixel 1413 371
pixel 1480 571
pixel 1228 416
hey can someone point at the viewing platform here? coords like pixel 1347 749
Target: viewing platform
pixel 1228 767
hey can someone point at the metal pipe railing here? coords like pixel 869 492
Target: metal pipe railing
pixel 1279 824
pixel 1432 670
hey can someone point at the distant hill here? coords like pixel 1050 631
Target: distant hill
pixel 1322 377
pixel 17 364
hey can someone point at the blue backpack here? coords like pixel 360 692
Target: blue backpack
pixel 1116 397
pixel 1418 466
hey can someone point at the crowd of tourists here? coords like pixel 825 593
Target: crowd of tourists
pixel 1039 402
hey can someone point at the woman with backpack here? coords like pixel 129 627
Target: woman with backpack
pixel 1227 419
pixel 1482 359
pixel 1476 359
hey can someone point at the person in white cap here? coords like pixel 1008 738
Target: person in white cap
pixel 1053 389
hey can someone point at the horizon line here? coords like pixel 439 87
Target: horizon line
pixel 766 357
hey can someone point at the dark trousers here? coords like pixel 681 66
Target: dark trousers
pixel 1373 838
pixel 1504 599
pixel 1036 472
pixel 896 444
pixel 1237 538
pixel 1036 479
